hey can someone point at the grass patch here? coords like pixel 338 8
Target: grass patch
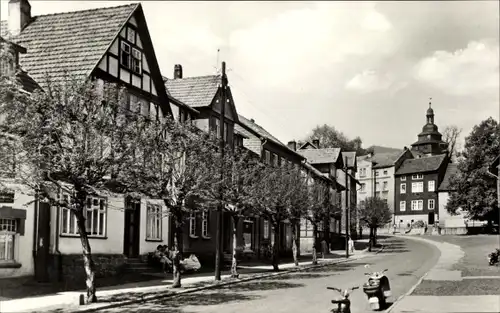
pixel 468 287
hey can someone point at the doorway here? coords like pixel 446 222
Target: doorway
pixel 43 243
pixel 431 218
pixel 132 227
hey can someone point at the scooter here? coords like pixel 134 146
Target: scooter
pixel 493 257
pixel 343 304
pixel 377 289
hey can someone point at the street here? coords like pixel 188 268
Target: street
pixel 305 291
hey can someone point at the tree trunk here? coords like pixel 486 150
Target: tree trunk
pixel 88 262
pixel 234 264
pixel 295 242
pixel 315 245
pixel 374 236
pixel 370 239
pixel 177 255
pixel 276 249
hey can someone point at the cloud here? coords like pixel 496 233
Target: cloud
pixel 467 71
pixel 368 81
pixel 304 44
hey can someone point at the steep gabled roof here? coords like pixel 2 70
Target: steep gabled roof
pixel 196 91
pixel 71 42
pixel 320 156
pixel 451 170
pixel 259 129
pixel 420 165
pixel 306 144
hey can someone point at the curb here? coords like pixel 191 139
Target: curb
pixel 214 285
pixel 412 289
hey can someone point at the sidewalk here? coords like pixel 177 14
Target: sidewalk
pixel 115 296
pixel 434 284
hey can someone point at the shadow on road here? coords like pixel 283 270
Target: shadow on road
pixel 299 275
pixel 177 303
pixel 259 285
pixel 394 245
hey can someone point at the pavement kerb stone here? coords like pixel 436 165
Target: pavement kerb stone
pixel 162 295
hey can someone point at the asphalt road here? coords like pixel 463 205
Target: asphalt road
pixel 305 292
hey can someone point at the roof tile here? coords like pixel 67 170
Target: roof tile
pixel 196 91
pixel 424 164
pixel 320 156
pixel 71 42
pixel 451 170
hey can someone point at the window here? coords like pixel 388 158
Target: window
pixel 362 172
pixel 248 235
pixel 138 104
pixel 136 60
pixel 403 188
pixel 363 187
pixel 384 186
pixel 430 204
pixel 376 173
pixel 192 225
pixel 417 176
pixel 95 217
pixel 266 229
pixel 268 157
pixel 125 55
pixel 204 223
pixel 377 186
pixel 275 159
pixel 431 185
pixel 385 172
pixel 8 228
pixel 216 127
pixel 417 187
pixel 153 222
pixel 181 115
pixel 7 196
pixel 402 206
pixel 131 35
pixel 403 178
pixel 417 205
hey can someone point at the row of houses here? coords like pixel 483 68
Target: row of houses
pixel 113 44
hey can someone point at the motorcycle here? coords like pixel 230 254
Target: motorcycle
pixel 493 257
pixel 377 289
pixel 343 304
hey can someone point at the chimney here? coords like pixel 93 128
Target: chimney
pixel 19 16
pixel 292 145
pixel 252 120
pixel 177 71
pixel 316 143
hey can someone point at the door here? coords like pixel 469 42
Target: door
pixel 132 227
pixel 42 243
pixel 431 218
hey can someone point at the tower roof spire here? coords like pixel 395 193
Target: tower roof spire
pixel 430 102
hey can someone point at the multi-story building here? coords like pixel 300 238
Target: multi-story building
pixel 107 44
pixel 376 175
pixel 417 179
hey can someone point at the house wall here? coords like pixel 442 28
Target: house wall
pixel 23 243
pixel 409 195
pixel 446 220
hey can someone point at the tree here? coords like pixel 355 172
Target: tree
pixel 235 190
pixel 272 193
pixel 451 134
pixel 175 163
pixel 297 205
pixel 330 137
pixel 375 213
pixel 68 140
pixel 319 209
pixel 473 189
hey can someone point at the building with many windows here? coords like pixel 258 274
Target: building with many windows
pixel 419 176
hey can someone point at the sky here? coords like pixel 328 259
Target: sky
pixel 366 68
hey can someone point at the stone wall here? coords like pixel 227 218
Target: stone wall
pixel 70 266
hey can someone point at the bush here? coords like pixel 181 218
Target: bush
pixel 419 224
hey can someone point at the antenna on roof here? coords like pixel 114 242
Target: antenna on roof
pixel 216 64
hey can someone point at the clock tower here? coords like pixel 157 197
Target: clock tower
pixel 430 139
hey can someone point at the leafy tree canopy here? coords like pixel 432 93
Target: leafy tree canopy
pixel 475 190
pixel 329 137
pixel 374 212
